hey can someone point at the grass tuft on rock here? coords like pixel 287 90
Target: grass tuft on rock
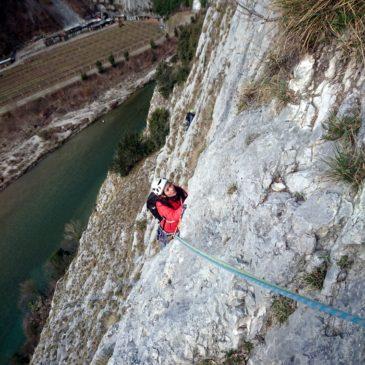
pixel 282 308
pixel 341 127
pixel 347 164
pixel 310 24
pixel 344 262
pixel 134 147
pixel 272 85
pixel 315 279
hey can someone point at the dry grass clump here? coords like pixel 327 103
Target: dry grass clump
pixel 308 24
pixel 272 85
pixel 348 162
pixel 232 189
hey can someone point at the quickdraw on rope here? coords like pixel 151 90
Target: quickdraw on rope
pixel 275 288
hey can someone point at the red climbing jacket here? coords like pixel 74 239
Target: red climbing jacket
pixel 171 209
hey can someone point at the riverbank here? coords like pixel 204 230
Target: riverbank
pixel 61 188
pixel 21 147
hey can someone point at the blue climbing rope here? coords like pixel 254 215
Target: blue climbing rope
pixel 275 288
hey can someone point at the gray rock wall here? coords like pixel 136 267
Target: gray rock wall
pixel 259 198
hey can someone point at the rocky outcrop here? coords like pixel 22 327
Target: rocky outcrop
pixel 126 6
pixel 259 198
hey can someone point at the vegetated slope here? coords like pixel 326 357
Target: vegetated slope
pixel 20 20
pixel 259 198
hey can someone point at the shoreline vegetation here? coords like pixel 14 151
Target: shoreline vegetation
pixel 35 301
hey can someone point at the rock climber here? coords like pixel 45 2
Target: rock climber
pixel 166 203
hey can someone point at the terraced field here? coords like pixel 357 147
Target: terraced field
pixel 70 59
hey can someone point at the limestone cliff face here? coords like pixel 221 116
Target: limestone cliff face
pixel 258 198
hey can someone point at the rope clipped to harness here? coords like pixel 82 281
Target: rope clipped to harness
pixel 275 288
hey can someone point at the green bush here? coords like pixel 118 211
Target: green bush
pixel 164 8
pixel 153 44
pixel 130 151
pixel 83 76
pixel 133 148
pixel 188 40
pixel 239 356
pixel 182 74
pixel 99 66
pixel 158 128
pixel 348 162
pixel 165 78
pixel 112 60
pixel 36 303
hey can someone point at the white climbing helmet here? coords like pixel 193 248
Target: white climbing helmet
pixel 158 185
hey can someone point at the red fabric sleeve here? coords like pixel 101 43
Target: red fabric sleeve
pixel 169 213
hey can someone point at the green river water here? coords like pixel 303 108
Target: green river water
pixel 62 187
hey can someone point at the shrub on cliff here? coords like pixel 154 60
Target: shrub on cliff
pixel 188 40
pixel 308 25
pixel 133 148
pixel 182 74
pixel 165 78
pixel 130 151
pixel 188 37
pixel 158 128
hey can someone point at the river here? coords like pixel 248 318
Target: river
pixel 35 208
